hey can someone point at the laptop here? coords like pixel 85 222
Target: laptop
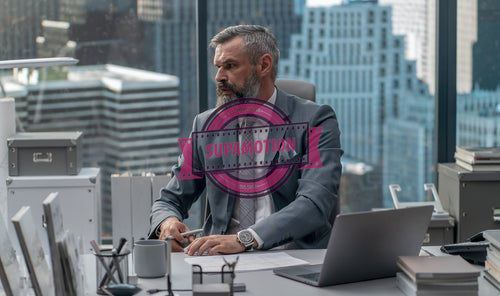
pixel 365 246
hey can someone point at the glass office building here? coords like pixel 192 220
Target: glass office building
pixel 130 117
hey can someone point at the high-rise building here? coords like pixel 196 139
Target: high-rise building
pixel 467 27
pixel 478 118
pixel 412 19
pixel 359 68
pixel 94 32
pixel 129 117
pixel 486 51
pixel 408 149
pixel 20 22
pixel 416 20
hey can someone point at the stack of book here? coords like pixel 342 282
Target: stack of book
pixel 478 158
pixel 436 275
pixel 492 264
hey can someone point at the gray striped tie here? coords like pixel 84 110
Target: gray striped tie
pixel 246 206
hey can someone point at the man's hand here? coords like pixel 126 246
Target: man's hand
pixel 216 245
pixel 173 227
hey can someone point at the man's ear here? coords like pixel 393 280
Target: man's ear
pixel 265 65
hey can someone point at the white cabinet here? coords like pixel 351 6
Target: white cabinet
pixel 79 197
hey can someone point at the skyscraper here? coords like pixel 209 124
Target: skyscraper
pixel 478 118
pixel 486 51
pixel 359 68
pixel 20 22
pixel 130 117
pixel 94 32
pixel 416 20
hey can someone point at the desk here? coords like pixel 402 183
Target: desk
pixel 261 283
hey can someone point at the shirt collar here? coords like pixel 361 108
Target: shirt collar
pixel 272 99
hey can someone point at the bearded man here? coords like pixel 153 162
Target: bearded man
pixel 297 212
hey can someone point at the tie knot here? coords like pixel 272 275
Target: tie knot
pixel 246 124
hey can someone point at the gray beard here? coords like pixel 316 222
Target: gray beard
pixel 250 89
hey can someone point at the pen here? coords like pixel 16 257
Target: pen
pixel 188 233
pixel 117 264
pixel 120 249
pixel 185 234
pixel 106 267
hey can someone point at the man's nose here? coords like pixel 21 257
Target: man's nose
pixel 220 76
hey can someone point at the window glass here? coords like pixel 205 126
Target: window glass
pixel 134 82
pixel 387 126
pixel 133 92
pixel 478 73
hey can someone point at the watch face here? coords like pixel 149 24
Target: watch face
pixel 245 237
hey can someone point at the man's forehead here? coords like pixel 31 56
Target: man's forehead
pixel 230 50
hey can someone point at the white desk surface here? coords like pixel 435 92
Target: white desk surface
pixel 261 283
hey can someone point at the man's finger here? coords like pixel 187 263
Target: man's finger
pixel 209 244
pixel 193 247
pixel 190 238
pixel 176 247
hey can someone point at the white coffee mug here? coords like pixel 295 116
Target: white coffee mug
pixel 152 258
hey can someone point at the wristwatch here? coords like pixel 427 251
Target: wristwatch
pixel 245 238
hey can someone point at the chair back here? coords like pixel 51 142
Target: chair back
pixel 299 88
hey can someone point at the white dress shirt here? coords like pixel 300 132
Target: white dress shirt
pixel 263 205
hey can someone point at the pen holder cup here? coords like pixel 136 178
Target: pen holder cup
pixel 111 268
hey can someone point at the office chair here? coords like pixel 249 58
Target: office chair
pixel 299 88
pixel 305 90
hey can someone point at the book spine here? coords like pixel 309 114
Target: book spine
pixel 492 270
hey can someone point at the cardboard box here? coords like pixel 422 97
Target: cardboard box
pixel 45 153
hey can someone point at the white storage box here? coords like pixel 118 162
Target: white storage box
pixel 80 202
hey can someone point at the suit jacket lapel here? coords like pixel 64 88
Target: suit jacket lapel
pixel 276 132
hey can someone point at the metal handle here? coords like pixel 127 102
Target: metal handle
pixel 496 215
pixel 42 157
pixel 394 188
pixel 438 208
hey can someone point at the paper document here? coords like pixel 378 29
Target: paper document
pixel 246 262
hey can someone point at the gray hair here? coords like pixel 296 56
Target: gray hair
pixel 257 41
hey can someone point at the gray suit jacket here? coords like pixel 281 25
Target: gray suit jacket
pixel 303 204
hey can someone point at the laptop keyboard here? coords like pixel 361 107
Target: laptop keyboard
pixel 310 276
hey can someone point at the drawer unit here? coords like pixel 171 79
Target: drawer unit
pixel 472 198
pixel 79 198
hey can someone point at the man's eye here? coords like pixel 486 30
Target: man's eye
pixel 229 66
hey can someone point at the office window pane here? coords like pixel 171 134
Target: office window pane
pixel 478 73
pixel 387 126
pixel 133 93
pixel 134 82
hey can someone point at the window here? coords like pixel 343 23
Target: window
pixel 126 127
pixel 158 36
pixel 371 17
pixel 478 73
